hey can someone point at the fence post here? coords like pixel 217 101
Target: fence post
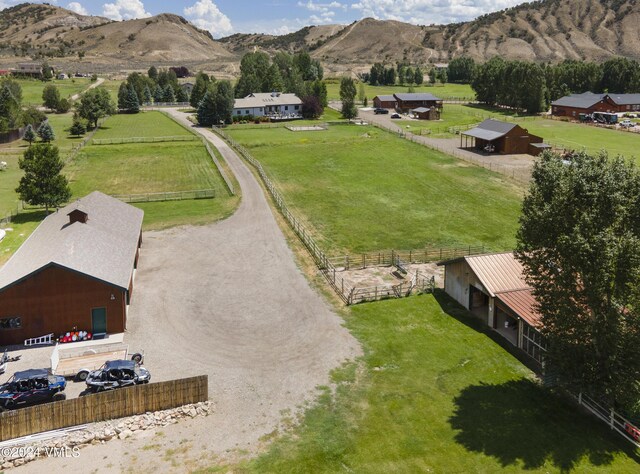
pixel 580 398
pixel 612 419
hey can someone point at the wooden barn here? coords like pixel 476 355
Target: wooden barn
pixel 406 102
pixel 75 271
pixel 384 102
pixel 492 287
pixel 494 136
pixel 426 113
pixel 587 103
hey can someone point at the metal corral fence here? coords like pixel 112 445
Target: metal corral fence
pixel 119 141
pixel 169 196
pixel 347 292
pixel 103 406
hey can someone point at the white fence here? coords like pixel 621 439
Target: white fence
pixel 615 421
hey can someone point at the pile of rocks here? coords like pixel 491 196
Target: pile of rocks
pixel 99 433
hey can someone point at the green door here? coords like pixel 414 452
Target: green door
pixel 99 320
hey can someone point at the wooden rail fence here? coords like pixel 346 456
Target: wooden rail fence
pixel 103 406
pixel 168 196
pixel 119 141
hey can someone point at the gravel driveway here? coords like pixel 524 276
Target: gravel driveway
pixel 227 300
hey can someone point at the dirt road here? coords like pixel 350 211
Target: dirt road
pixel 227 300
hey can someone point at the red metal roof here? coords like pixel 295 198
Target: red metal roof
pixel 523 304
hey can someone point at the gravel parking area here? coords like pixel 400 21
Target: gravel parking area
pixel 227 300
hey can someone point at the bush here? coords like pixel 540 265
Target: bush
pixel 63 106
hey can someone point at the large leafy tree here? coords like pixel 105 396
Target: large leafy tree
pixel 94 105
pixel 579 242
pixel 347 96
pixel 42 183
pixel 461 69
pixel 50 97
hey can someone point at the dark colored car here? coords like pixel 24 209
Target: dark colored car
pixel 31 387
pixel 395 116
pixel 379 110
pixel 116 374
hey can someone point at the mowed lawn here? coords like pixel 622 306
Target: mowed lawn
pixel 9 180
pixel 361 188
pixel 32 88
pixel 446 91
pixel 435 393
pixel 145 125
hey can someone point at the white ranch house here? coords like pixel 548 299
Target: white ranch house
pixel 273 104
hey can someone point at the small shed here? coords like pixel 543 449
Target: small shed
pixel 492 287
pixel 384 102
pixel 426 113
pixel 494 136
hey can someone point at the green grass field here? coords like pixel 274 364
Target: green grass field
pixel 445 91
pixel 20 228
pixel 360 188
pixel 144 124
pixel 32 88
pixel 434 393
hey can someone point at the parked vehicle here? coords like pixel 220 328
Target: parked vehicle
pixel 380 110
pixel 5 359
pixel 78 360
pixel 627 124
pixel 116 374
pixel 395 116
pixel 30 387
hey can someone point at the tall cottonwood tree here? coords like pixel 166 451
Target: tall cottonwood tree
pixel 347 96
pixel 579 242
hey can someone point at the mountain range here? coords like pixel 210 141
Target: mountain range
pixel 548 30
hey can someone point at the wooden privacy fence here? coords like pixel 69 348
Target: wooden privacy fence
pixel 119 141
pixel 103 406
pixel 169 196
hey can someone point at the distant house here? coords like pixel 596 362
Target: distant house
pixel 187 87
pixel 75 271
pixel 30 69
pixel 384 102
pixel 492 287
pixel 587 103
pixel 409 101
pixel 273 104
pixel 495 136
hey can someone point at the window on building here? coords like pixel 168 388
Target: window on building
pixel 11 323
pixel 532 342
pixel 286 107
pixel 297 107
pixel 238 112
pixel 246 112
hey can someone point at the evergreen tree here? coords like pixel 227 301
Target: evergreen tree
pixel 77 129
pixel 42 183
pixel 408 75
pixel 47 72
pixel 133 104
pixel 146 95
pixel 206 112
pixel 168 94
pixel 45 132
pixel 29 134
pixel 123 95
pixel 153 73
pixel 10 108
pixel 199 89
pixel 158 94
pixel 224 99
pixel 181 95
pixel 418 76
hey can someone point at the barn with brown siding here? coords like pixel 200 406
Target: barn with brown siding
pixel 384 102
pixel 75 271
pixel 494 136
pixel 587 103
pixel 408 101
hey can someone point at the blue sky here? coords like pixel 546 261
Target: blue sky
pixel 224 17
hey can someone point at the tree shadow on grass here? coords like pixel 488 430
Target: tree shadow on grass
pixel 520 422
pixel 29 216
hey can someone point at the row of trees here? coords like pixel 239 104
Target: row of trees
pixel 156 86
pixel 12 114
pixel 534 86
pixel 379 75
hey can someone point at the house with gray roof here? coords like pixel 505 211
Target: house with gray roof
pixel 275 105
pixel 405 102
pixel 76 270
pixel 587 103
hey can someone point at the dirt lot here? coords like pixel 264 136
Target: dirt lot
pixel 226 300
pixel 379 276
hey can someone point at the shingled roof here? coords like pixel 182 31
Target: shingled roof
pixel 104 247
pixel 411 97
pixel 266 99
pixel 585 100
pixel 490 130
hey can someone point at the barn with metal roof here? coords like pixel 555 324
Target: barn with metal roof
pixel 493 288
pixel 495 136
pixel 74 271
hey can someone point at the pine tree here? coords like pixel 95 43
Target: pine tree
pixel 123 94
pixel 45 132
pixel 207 108
pixel 418 77
pixel 199 89
pixel 29 134
pixel 158 94
pixel 42 183
pixel 133 104
pixel 77 129
pixel 168 95
pixel 153 73
pixel 181 95
pixel 146 95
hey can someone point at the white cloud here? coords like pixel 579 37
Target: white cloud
pixel 323 13
pixel 124 10
pixel 76 7
pixel 206 15
pixel 430 11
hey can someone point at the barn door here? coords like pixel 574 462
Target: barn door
pixel 99 320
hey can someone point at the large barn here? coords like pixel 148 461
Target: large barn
pixel 409 101
pixel 75 271
pixel 494 136
pixel 587 103
pixel 493 288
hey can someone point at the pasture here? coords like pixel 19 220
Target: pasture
pixel 435 393
pixel 444 91
pixel 144 124
pixel 360 188
pixel 32 88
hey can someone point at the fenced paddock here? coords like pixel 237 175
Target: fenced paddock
pixel 120 141
pixel 103 406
